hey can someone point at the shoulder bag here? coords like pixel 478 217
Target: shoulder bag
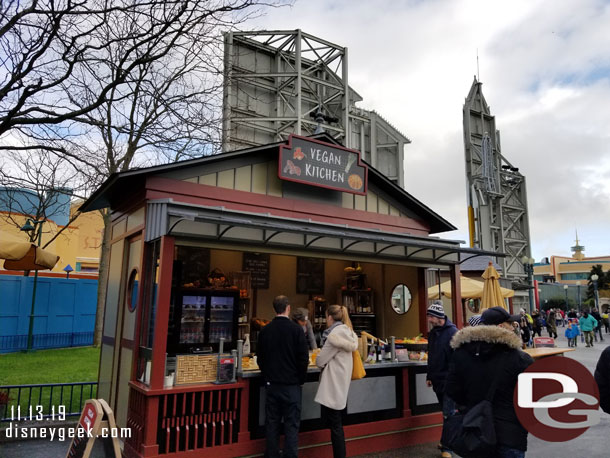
pixel 358 371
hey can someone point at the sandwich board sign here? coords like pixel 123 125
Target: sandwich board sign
pixel 96 415
pixel 544 342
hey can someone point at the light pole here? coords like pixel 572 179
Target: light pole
pixel 29 226
pixel 594 279
pixel 579 301
pixel 528 266
pixel 565 288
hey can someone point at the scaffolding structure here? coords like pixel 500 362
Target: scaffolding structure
pixel 283 82
pixel 497 199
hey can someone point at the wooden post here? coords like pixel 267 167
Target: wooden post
pixel 422 299
pixel 456 296
pixel 166 260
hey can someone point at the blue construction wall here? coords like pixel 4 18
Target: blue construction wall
pixel 65 309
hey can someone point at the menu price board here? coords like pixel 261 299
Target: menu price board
pixel 310 275
pixel 321 164
pixel 258 266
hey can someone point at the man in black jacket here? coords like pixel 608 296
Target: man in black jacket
pixel 484 354
pixel 439 354
pixel 283 357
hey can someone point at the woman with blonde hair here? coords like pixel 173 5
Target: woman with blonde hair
pixel 335 360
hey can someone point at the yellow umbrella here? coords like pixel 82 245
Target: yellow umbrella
pixel 492 294
pixel 24 255
pixel 470 288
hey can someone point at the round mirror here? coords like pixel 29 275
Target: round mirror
pixel 401 299
pixel 474 305
pixel 132 290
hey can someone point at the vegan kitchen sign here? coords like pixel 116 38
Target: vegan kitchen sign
pixel 316 163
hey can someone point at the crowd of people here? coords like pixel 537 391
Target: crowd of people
pixel 587 324
pixel 465 367
pixel 483 362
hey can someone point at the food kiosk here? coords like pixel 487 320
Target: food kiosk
pixel 198 251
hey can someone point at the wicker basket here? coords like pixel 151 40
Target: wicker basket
pixel 196 368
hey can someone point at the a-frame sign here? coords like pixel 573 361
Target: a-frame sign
pixel 96 417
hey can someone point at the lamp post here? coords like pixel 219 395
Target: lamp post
pixel 528 266
pixel 594 279
pixel 29 226
pixel 565 288
pixel 579 301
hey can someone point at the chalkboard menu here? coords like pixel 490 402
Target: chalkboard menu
pixel 310 275
pixel 258 266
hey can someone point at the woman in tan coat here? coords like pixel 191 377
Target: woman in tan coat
pixel 335 360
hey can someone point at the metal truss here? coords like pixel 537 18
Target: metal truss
pixel 283 82
pixel 497 199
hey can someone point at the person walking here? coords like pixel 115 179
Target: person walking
pixel 551 323
pixel 587 326
pixel 300 317
pixel 572 334
pixel 439 355
pixel 598 329
pixel 283 358
pixel 537 323
pixel 486 354
pixel 524 328
pixel 336 361
pixel 606 322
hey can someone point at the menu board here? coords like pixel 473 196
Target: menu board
pixel 310 275
pixel 258 266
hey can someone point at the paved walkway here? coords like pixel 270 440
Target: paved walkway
pixel 593 444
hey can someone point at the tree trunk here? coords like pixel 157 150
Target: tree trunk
pixel 102 284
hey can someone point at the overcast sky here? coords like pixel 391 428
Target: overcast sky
pixel 545 69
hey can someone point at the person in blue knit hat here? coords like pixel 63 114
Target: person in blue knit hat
pixel 439 354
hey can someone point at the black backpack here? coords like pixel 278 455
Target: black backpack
pixel 472 434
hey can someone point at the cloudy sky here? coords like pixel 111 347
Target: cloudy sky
pixel 545 69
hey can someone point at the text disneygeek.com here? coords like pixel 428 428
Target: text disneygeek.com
pixel 61 433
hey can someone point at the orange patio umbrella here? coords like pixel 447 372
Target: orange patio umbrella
pixel 492 293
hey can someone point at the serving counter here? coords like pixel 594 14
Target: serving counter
pixel 392 401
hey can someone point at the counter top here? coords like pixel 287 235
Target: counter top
pixel 367 367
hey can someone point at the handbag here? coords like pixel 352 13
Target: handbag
pixel 472 434
pixel 358 371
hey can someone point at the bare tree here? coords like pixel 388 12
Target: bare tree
pixel 109 85
pixel 40 188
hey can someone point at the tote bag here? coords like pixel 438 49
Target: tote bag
pixel 358 371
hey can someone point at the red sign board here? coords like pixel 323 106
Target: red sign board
pixel 541 342
pixel 308 161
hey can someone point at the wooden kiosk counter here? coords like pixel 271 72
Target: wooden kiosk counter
pixel 198 251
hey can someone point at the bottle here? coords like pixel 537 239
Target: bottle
pixel 246 344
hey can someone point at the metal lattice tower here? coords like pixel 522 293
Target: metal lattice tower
pixel 283 82
pixel 497 199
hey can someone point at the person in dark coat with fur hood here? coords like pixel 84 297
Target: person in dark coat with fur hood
pixel 481 353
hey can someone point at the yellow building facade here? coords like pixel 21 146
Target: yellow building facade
pixel 569 270
pixel 78 245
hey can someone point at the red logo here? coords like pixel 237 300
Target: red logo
pixel 557 399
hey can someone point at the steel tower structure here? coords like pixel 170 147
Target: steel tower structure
pixel 283 82
pixel 497 199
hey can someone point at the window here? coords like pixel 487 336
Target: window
pixel 575 276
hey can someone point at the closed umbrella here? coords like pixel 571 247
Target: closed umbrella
pixel 24 255
pixel 492 293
